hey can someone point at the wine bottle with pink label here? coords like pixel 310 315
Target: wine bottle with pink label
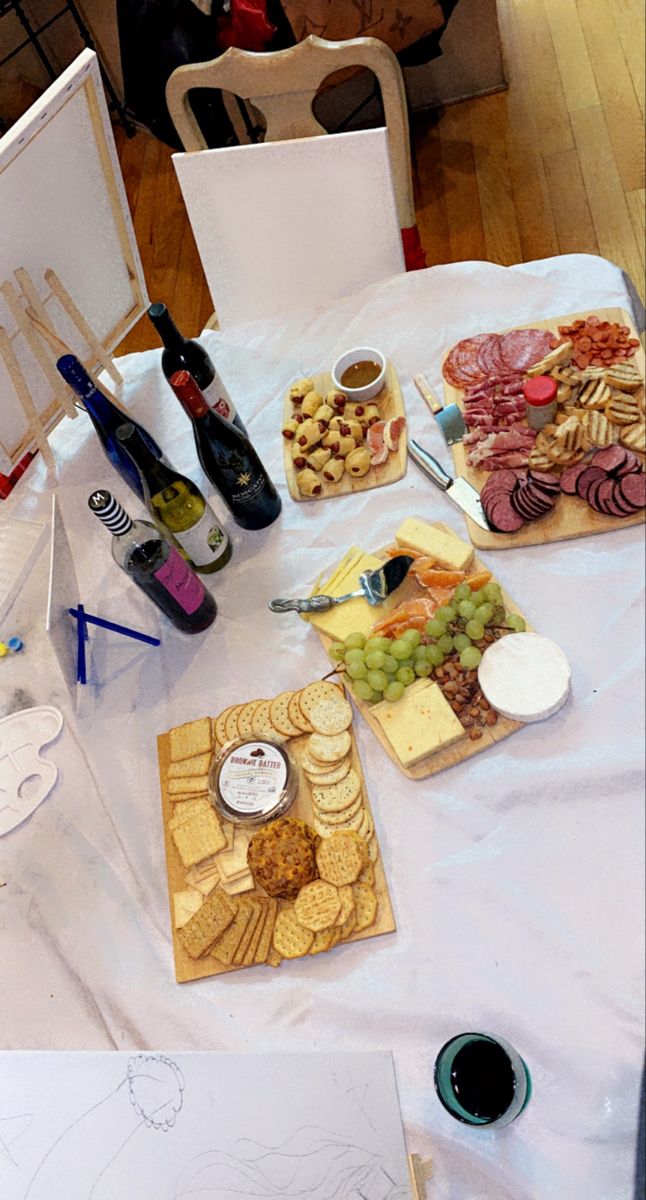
pixel 156 566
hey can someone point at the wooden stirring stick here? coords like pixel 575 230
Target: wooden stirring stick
pixel 24 395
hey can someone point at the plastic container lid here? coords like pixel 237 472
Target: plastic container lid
pixel 540 390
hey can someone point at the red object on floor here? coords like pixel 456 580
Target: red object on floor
pixel 414 253
pixel 7 482
pixel 246 26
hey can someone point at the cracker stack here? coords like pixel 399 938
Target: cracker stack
pixel 219 913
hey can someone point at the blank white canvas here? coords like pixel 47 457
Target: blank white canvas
pixel 283 225
pixel 201 1126
pixel 58 205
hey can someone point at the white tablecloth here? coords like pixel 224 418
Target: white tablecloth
pixel 516 877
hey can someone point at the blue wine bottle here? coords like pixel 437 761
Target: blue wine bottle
pixel 106 418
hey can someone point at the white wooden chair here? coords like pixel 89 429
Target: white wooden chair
pixel 282 86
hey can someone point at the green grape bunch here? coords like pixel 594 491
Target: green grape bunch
pixel 381 668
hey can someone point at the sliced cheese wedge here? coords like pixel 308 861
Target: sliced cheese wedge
pixel 525 677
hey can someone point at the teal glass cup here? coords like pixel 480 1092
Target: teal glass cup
pixel 481 1080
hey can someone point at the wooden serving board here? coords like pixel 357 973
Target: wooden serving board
pixel 459 751
pixel 571 517
pixel 391 404
pixel 187 968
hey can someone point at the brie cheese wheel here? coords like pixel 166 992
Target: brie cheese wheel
pixel 525 677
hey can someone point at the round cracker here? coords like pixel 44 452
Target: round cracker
pixel 337 772
pixel 336 820
pixel 231 723
pixel 365 905
pixel 325 824
pixel 279 715
pixel 367 829
pixel 334 798
pixel 290 939
pixel 317 905
pixel 296 715
pixel 244 719
pixel 346 896
pixel 219 725
pixel 260 722
pixel 324 749
pixel 322 689
pixel 331 715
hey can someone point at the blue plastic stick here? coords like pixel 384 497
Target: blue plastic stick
pixel 81 635
pixel 84 618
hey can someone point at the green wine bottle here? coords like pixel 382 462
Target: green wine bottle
pixel 177 506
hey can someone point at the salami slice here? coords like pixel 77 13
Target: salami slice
pixel 593 494
pixel 633 489
pixel 611 458
pixel 548 483
pixel 587 478
pixel 624 507
pixel 499 481
pixel 522 347
pixel 503 516
pixel 604 498
pixel 569 477
pixel 631 464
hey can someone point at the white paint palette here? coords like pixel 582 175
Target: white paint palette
pixel 26 779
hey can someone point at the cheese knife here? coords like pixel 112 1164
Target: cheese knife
pixel 449 418
pixel 458 490
pixel 374 586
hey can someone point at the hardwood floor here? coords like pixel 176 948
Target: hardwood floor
pixel 553 165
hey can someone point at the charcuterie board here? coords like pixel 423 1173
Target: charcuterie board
pixel 571 516
pixel 390 404
pixel 465 747
pixel 185 883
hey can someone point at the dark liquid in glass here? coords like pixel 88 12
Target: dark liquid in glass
pixel 483 1080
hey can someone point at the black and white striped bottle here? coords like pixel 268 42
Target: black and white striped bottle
pixel 156 566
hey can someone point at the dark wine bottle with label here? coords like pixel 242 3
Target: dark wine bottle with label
pixel 228 459
pixel 183 354
pixel 178 507
pixel 150 560
pixel 106 418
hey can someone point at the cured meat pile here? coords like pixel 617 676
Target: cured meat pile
pixel 612 482
pixel 510 498
pixel 489 370
pixel 599 343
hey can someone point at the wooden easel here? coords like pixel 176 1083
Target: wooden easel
pixel 34 323
pixel 421 1170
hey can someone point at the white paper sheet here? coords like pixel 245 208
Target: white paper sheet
pixel 20 544
pixel 169 1126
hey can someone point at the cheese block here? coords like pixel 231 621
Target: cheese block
pixel 419 724
pixel 355 616
pixel 525 676
pixel 447 549
pixel 347 562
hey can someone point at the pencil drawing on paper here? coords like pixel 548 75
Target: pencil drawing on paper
pixel 312 1164
pixel 150 1096
pixel 11 1129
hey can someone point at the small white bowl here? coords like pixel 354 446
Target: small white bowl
pixel 369 390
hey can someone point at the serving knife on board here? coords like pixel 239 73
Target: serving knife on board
pixel 449 418
pixel 374 586
pixel 458 490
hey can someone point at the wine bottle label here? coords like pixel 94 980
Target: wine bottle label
pixel 245 488
pixel 181 582
pixel 204 542
pixel 218 398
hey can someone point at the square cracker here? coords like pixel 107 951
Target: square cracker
pixel 208 924
pixel 186 809
pixel 198 764
pixel 267 933
pixel 185 904
pixel 247 937
pixel 190 785
pixel 198 838
pixel 252 948
pixel 195 737
pixel 225 947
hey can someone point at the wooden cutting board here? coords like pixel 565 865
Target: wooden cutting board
pixel 460 751
pixel 571 517
pixel 187 968
pixel 391 404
